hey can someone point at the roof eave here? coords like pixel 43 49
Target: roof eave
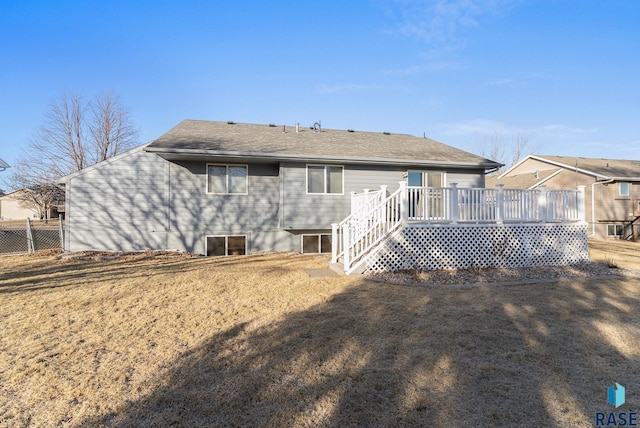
pixel 584 171
pixel 176 154
pixel 624 178
pixel 569 167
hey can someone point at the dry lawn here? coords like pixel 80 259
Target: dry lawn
pixel 254 341
pixel 625 255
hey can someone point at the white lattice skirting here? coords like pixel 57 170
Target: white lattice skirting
pixel 458 247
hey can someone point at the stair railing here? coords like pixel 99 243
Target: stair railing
pixel 354 236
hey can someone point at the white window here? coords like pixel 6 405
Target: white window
pixel 325 179
pixel 615 230
pixel 425 178
pixel 623 188
pixel 226 245
pixel 227 179
pixel 316 243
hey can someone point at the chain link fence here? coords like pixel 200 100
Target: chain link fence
pixel 27 236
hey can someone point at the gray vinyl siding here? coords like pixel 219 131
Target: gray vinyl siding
pixel 304 211
pixel 300 210
pixel 195 214
pixel 192 206
pixel 466 179
pixel 119 206
pixel 140 201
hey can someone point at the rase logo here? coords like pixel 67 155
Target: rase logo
pixel 616 397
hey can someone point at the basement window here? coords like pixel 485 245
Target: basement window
pixel 615 230
pixel 315 244
pixel 226 245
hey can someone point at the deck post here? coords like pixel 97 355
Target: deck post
pixel 542 204
pixel 404 202
pixel 345 247
pixel 353 197
pixel 334 242
pixel 499 203
pixel 453 206
pixel 383 208
pixel 581 212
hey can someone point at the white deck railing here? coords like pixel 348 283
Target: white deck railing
pixel 374 215
pixel 365 228
pixel 363 202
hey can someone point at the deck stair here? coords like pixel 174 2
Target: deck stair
pixel 377 216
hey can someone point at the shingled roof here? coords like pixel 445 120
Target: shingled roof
pixel 192 139
pixel 522 181
pixel 604 168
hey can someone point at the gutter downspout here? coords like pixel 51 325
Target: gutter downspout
pixel 593 205
pixel 492 170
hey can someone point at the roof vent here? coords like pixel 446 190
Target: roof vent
pixel 386 133
pixel 350 130
pixel 297 126
pixel 272 125
pixel 230 122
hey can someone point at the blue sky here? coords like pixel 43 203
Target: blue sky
pixel 563 74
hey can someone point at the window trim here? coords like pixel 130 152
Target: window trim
pixel 620 183
pixel 226 243
pixel 616 226
pixel 319 236
pixel 428 171
pixel 227 165
pixel 325 165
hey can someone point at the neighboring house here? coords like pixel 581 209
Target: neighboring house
pixel 221 188
pixel 13 207
pixel 612 188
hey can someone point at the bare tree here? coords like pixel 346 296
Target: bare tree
pixel 58 147
pixel 111 129
pixel 507 150
pixel 75 134
pixel 41 198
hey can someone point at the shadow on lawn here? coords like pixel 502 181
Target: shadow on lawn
pixel 379 355
pixel 49 273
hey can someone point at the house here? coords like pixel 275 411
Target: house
pixel 225 188
pixel 612 188
pixel 12 208
pixel 18 205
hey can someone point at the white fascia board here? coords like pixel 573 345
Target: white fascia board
pixel 569 167
pixel 630 179
pixel 514 167
pixel 544 180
